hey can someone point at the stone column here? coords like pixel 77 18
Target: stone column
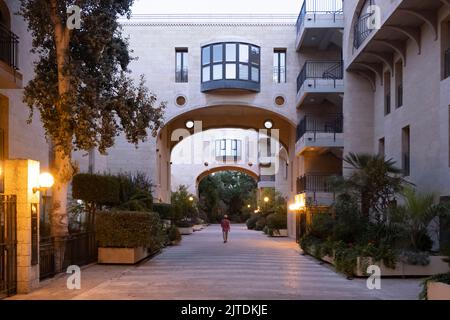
pixel 21 176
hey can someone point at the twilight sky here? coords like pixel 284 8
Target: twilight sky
pixel 216 6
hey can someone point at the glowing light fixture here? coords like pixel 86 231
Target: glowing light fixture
pixel 46 181
pixel 191 199
pixel 266 199
pixel 268 124
pixel 189 124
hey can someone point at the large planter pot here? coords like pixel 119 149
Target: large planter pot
pixel 438 291
pixel 122 255
pixel 436 266
pixel 186 230
pixel 280 233
pixel 198 227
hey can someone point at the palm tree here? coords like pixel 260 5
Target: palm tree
pixel 416 214
pixel 374 181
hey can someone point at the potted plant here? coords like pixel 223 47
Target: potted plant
pixel 126 237
pixel 185 227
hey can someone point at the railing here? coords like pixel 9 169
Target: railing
pixel 320 70
pixel 329 124
pixel 181 76
pixel 399 96
pixel 9 44
pixel 362 29
pixel 447 64
pixel 79 249
pixel 265 178
pixel 314 183
pixel 319 7
pixel 406 164
pixel 8 245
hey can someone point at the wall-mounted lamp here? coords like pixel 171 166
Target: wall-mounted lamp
pixel 268 124
pixel 266 199
pixel 46 181
pixel 191 199
pixel 189 124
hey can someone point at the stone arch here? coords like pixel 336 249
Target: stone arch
pixel 5 15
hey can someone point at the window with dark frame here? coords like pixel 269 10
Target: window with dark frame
pixel 406 151
pixel 181 65
pixel 279 66
pixel 231 61
pixel 381 147
pixel 399 84
pixel 387 93
pixel 228 148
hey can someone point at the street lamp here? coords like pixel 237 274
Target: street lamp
pixel 191 199
pixel 46 181
pixel 249 206
pixel 266 199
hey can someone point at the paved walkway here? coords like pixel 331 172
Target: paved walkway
pixel 249 266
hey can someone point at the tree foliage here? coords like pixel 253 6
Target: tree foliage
pixel 99 100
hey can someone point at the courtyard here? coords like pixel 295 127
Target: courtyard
pixel 250 266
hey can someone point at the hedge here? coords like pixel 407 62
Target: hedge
pixel 127 229
pixel 94 188
pixel 277 221
pixel 165 210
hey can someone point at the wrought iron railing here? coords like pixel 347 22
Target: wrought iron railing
pixel 333 123
pixel 320 70
pixel 79 249
pixel 181 76
pixel 266 178
pixel 314 183
pixel 447 64
pixel 8 245
pixel 319 7
pixel 362 29
pixel 9 44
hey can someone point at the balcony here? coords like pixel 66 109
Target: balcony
pixel 362 29
pixel 266 181
pixel 319 24
pixel 317 189
pixel 447 64
pixel 319 79
pixel 10 78
pixel 320 133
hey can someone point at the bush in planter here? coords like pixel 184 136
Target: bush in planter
pixel 277 221
pixel 174 234
pixel 260 224
pixel 251 222
pixel 125 229
pixel 165 210
pixel 184 224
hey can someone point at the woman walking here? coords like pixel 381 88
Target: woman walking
pixel 225 228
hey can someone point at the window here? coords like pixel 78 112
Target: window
pixel 381 147
pixel 231 61
pixel 181 70
pixel 228 148
pixel 387 93
pixel 406 151
pixel 279 66
pixel 399 84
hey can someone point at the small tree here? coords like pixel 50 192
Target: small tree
pixel 81 87
pixel 374 180
pixel 184 207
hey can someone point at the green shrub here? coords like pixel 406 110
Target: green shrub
pixel 174 234
pixel 125 229
pixel 251 222
pixel 96 189
pixel 260 224
pixel 165 210
pixel 321 226
pixel 277 221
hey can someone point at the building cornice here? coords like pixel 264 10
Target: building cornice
pixel 205 20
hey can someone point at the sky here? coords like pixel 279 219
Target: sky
pixel 216 6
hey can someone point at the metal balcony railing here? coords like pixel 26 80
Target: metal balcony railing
pixel 319 7
pixel 314 183
pixel 447 64
pixel 321 70
pixel 9 44
pixel 333 123
pixel 362 29
pixel 265 178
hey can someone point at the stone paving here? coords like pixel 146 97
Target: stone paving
pixel 249 266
